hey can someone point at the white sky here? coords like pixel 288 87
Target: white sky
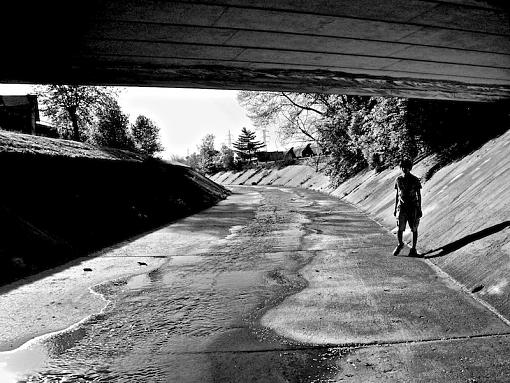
pixel 184 116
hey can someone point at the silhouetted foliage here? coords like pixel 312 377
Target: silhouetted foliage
pixel 454 129
pixel 74 108
pixel 112 129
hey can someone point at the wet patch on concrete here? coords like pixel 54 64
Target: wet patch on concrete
pixel 197 304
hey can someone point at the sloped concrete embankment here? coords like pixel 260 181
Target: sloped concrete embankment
pixel 61 199
pixel 466 225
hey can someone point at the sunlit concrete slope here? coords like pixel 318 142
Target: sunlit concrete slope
pixel 450 49
pixel 466 207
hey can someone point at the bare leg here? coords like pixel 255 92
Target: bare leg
pixel 400 243
pixel 415 238
pixel 399 237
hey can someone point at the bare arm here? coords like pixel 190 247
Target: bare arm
pixel 396 203
pixel 419 203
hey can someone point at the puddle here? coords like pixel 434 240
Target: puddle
pixel 183 260
pixel 138 282
pixel 35 354
pixel 20 362
pixel 239 279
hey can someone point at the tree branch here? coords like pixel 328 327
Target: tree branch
pixel 301 106
pixel 301 129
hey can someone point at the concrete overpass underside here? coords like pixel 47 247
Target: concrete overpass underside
pixel 449 49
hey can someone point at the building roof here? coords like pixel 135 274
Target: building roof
pixel 301 149
pixel 20 101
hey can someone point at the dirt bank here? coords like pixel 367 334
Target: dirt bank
pixel 61 199
pixel 466 212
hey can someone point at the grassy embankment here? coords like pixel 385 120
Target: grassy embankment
pixel 62 199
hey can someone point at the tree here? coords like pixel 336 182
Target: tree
pixel 246 145
pixel 146 136
pixel 193 161
pixel 74 108
pixel 357 131
pixel 345 158
pixel 294 114
pixel 112 129
pixel 226 158
pixel 208 156
pixel 209 160
pixel 384 135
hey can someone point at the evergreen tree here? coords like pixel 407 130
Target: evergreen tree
pixel 246 145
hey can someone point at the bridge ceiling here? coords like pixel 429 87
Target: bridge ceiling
pixel 450 49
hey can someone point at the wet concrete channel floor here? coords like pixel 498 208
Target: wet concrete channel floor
pixel 275 285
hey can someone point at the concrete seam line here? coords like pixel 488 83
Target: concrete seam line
pixel 350 345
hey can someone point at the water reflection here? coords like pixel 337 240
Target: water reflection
pixel 138 282
pixel 34 355
pixel 18 363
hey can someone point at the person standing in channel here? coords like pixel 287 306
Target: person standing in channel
pixel 407 205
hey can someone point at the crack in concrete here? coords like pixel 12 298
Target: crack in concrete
pixel 352 345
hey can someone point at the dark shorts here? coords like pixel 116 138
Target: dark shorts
pixel 410 216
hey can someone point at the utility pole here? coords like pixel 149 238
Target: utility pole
pixel 229 140
pixel 264 138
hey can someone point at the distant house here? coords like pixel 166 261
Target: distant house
pixel 289 155
pixel 21 114
pixel 270 156
pixel 304 151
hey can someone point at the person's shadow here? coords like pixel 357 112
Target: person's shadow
pixel 447 249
